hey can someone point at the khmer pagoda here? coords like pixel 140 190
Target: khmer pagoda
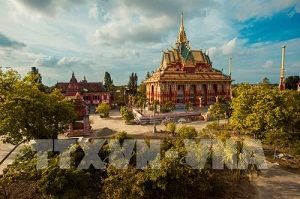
pixel 187 75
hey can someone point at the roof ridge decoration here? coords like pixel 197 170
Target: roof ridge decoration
pixel 182 36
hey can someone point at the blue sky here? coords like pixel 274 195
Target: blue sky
pixel 125 36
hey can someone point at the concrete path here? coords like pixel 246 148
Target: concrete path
pixel 277 183
pixel 7 154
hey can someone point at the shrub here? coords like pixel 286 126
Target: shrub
pixel 103 109
pixel 127 115
pixel 187 132
pixel 171 127
pixel 169 106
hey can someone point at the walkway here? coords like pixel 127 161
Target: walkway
pixel 277 183
pixel 7 154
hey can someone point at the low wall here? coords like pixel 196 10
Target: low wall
pixel 159 117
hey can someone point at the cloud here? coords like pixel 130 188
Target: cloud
pixel 144 21
pixel 235 46
pixel 7 42
pixel 248 9
pixel 230 47
pixel 63 62
pixel 268 64
pixel 94 11
pixel 46 7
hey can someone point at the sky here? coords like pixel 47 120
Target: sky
pixel 91 37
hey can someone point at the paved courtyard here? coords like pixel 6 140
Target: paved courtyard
pixel 115 122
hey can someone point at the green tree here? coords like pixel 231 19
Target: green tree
pixel 218 111
pixel 140 97
pixel 171 127
pixel 108 82
pixel 103 109
pixel 188 106
pixel 27 113
pixel 265 82
pixel 169 106
pixel 291 82
pixel 133 83
pixel 127 114
pixel 258 109
pixel 187 132
pixel 148 75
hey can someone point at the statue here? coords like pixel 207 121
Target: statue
pixel 200 101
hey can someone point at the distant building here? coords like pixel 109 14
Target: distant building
pixel 92 93
pixel 187 75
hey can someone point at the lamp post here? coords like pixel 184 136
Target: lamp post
pixel 154 122
pixel 155 102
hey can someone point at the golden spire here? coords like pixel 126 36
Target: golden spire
pixel 182 36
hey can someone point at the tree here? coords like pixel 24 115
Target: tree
pixel 217 111
pixel 169 106
pixel 188 106
pixel 187 132
pixel 291 82
pixel 265 82
pixel 148 75
pixel 27 113
pixel 171 127
pixel 127 114
pixel 258 110
pixel 108 82
pixel 132 84
pixel 103 109
pixel 140 97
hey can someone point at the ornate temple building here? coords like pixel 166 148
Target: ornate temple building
pixel 187 75
pixel 81 125
pixel 92 93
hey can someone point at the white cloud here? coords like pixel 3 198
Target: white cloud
pixel 94 11
pixel 230 47
pixel 268 64
pixel 246 9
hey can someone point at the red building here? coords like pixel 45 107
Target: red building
pixel 92 93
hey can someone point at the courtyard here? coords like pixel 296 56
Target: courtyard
pixel 115 123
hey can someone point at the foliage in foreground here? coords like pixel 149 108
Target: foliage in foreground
pixel 187 132
pixel 173 179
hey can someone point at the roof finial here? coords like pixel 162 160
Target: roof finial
pixel 181 36
pixel 182 19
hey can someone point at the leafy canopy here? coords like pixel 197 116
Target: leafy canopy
pixel 28 113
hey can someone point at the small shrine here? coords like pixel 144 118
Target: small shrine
pixel 81 126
